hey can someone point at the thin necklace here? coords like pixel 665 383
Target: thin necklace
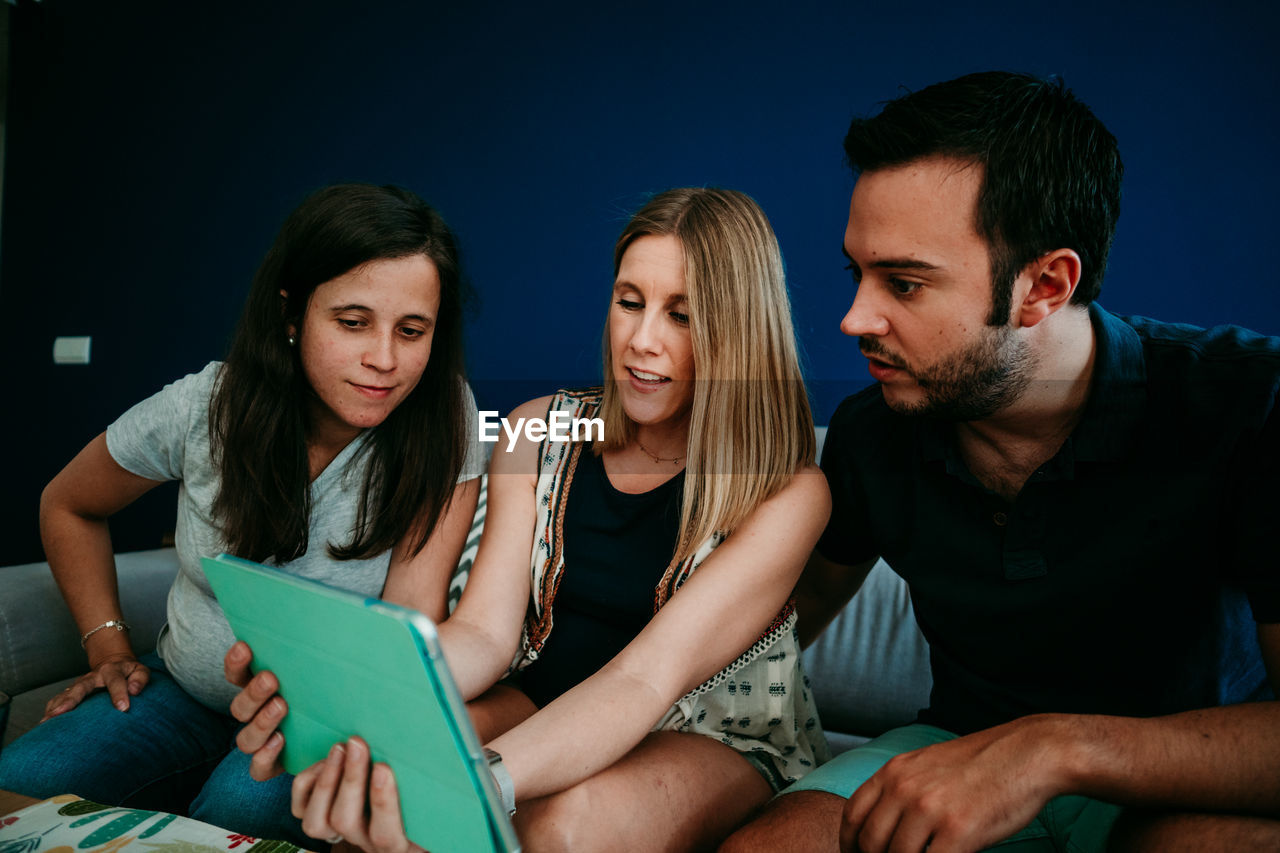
pixel 674 460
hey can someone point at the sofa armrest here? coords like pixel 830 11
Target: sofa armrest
pixel 39 642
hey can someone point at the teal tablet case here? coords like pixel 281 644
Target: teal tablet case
pixel 350 665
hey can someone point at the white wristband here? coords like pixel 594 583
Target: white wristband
pixel 502 778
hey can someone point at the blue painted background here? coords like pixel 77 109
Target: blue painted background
pixel 153 148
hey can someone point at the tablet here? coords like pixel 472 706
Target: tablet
pixel 350 665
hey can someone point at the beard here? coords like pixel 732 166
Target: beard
pixel 981 378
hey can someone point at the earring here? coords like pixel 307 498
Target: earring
pixel 293 341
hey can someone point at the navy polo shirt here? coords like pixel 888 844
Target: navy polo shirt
pixel 1127 576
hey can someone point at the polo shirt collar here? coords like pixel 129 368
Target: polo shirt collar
pixel 1118 397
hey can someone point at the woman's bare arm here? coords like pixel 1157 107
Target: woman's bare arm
pixel 717 614
pixel 74 509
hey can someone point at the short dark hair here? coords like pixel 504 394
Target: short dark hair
pixel 1051 169
pixel 258 416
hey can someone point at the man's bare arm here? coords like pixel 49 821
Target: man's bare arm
pixel 1223 759
pixel 823 591
pixel 971 792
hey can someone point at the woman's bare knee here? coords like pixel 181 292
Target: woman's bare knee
pixel 803 821
pixel 673 792
pixel 556 822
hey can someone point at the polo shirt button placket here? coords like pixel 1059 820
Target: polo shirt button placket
pixel 1023 534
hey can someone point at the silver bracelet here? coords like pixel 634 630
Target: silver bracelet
pixel 118 624
pixel 502 778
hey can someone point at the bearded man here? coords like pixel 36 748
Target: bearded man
pixel 1079 503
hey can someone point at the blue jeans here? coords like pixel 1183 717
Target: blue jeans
pixel 168 752
pixel 1068 823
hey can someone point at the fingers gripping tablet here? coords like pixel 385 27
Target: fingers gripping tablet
pixel 351 666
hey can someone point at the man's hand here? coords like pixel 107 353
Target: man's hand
pixel 121 677
pixel 962 795
pixel 258 706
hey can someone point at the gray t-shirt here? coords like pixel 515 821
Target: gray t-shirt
pixel 166 437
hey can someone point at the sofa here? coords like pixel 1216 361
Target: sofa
pixel 869 670
pixel 40 650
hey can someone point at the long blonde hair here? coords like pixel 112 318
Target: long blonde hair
pixel 750 428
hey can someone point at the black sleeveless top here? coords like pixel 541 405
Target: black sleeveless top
pixel 617 546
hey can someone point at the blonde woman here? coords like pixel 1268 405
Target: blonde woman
pixel 661 694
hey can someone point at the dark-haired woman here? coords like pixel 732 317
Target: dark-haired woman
pixel 329 443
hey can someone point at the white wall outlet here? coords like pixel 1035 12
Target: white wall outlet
pixel 71 350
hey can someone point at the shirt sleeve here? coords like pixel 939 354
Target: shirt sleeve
pixel 477 458
pixel 847 539
pixel 150 439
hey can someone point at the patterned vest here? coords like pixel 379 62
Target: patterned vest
pixel 758 704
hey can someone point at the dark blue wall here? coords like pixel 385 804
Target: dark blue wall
pixel 154 147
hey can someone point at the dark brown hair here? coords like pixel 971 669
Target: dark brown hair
pixel 258 417
pixel 1051 169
